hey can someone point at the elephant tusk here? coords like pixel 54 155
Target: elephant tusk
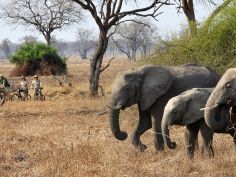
pixel 102 113
pixel 208 108
pixel 119 106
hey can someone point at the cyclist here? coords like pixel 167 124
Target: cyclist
pixel 23 86
pixel 36 85
pixel 4 84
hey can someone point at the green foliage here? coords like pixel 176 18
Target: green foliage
pixel 214 44
pixel 37 58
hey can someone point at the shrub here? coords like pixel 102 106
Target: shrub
pixel 214 45
pixel 37 58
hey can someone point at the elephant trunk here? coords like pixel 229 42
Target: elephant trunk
pixel 165 132
pixel 216 117
pixel 115 125
pixel 114 113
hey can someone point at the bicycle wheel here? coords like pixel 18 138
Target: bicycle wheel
pixel 15 97
pixel 35 97
pixel 2 99
pixel 42 97
pixel 25 96
pixel 28 97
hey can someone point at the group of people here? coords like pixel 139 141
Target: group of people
pixel 22 85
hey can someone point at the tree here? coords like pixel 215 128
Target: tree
pixel 214 45
pixel 62 48
pixel 85 42
pixel 108 14
pixel 37 58
pixel 133 37
pixel 6 47
pixel 218 10
pixel 149 40
pixel 188 8
pixel 46 16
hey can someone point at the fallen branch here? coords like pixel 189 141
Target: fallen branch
pixel 58 80
pixel 64 77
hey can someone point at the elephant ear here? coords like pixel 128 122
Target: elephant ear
pixel 156 82
pixel 193 112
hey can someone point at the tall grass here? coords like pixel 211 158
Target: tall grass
pixel 63 136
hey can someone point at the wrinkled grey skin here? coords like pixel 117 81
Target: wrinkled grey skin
pixel 184 109
pixel 151 87
pixel 219 114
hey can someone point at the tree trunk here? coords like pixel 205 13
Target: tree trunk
pixel 188 9
pixel 134 56
pixel 96 63
pixel 144 51
pixel 47 37
pixel 84 54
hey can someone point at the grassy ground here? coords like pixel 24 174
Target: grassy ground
pixel 63 136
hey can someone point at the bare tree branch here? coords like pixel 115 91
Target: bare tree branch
pixel 108 64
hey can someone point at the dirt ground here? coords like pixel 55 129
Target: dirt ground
pixel 63 136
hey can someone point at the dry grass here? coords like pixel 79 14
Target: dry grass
pixel 63 136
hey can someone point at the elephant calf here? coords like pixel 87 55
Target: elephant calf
pixel 184 109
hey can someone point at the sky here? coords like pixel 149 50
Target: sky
pixel 168 22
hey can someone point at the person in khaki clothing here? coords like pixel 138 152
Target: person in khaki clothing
pixel 23 86
pixel 36 85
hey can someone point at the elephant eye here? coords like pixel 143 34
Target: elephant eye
pixel 228 86
pixel 174 111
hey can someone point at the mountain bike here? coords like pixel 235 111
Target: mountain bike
pixel 2 96
pixel 20 95
pixel 39 95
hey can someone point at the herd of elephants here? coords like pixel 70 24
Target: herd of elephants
pixel 189 95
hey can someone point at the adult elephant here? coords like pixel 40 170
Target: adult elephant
pixel 151 87
pixel 220 111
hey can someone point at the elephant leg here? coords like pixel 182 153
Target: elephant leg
pixel 190 138
pixel 158 138
pixel 207 136
pixel 143 125
pixel 157 113
pixel 234 140
pixel 196 143
pixel 233 134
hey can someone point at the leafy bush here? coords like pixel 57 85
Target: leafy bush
pixel 37 58
pixel 214 45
